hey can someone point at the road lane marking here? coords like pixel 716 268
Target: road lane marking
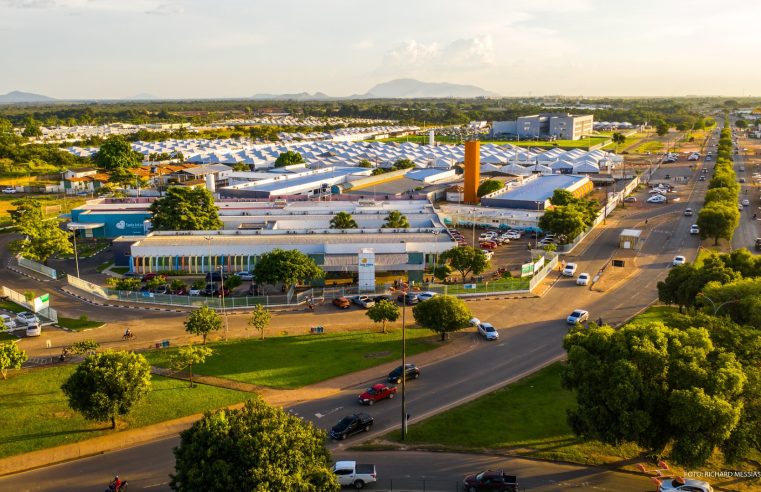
pixel 327 412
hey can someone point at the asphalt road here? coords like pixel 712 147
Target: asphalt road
pixel 531 333
pixel 748 229
pixel 405 470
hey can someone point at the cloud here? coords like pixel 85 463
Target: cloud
pixel 166 9
pixel 28 4
pixel 460 54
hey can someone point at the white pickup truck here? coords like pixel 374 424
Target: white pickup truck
pixel 351 473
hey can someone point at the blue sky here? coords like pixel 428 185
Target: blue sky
pixel 236 48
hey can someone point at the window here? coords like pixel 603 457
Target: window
pixel 343 472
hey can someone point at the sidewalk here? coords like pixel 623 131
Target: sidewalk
pixel 459 342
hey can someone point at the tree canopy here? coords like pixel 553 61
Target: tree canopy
pixel 203 321
pixel 396 220
pixel 489 186
pixel 343 220
pixel 288 266
pixel 185 209
pixel 257 447
pixel 11 357
pixel 402 164
pixel 43 237
pixel 116 152
pixel 288 158
pixel 442 314
pixel 565 220
pixel 189 356
pixel 718 221
pixel 383 311
pixel 259 319
pixel 107 385
pixel 466 260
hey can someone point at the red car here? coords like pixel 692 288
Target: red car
pixel 377 392
pixel 488 245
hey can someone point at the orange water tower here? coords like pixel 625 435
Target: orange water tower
pixel 472 170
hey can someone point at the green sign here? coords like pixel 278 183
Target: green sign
pixel 527 269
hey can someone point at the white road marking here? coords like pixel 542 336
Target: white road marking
pixel 328 412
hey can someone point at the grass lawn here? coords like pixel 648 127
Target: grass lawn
pixel 104 266
pixel 652 146
pixel 35 414
pixel 656 313
pixel 76 324
pixel 529 419
pixel 5 336
pixel 505 284
pixel 120 270
pixel 11 306
pixel 295 361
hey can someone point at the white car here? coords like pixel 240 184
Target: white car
pixel 684 485
pixel 26 318
pixel 694 229
pixel 33 330
pixel 488 331
pixel 656 199
pixel 245 275
pixel 678 260
pixel 583 279
pixel 512 235
pixel 569 270
pixel 577 316
pixel 424 296
pixel 488 254
pixel 7 322
pixel 9 190
pixel 745 202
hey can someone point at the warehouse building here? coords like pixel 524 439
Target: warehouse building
pixel 562 126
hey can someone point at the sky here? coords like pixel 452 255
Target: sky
pixel 82 49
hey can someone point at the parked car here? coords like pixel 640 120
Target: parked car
pixel 683 485
pixel 342 303
pixel 489 245
pixel 487 331
pixel 194 292
pixel 27 318
pixel 355 474
pixel 350 425
pixel 678 260
pixel 245 275
pixel 630 199
pixel 512 234
pixel 377 392
pixel 209 290
pixel 222 291
pixel 133 275
pixel 363 301
pixel 408 299
pixel 9 190
pixel 569 270
pixel 489 254
pixel 424 296
pixel 577 316
pixel 382 297
pixel 490 480
pixel 657 199
pixel 688 212
pixel 215 276
pixel 758 244
pixel 33 330
pixel 7 322
pixel 411 372
pixel 583 279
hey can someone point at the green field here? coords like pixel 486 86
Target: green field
pixel 11 306
pixel 296 361
pixel 75 324
pixel 655 313
pixel 504 284
pixel 35 414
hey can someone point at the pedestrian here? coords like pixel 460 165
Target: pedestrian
pixel 599 321
pixel 408 417
pixel 645 220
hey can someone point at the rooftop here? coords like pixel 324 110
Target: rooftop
pixel 540 190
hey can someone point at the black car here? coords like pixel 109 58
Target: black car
pixel 350 425
pixel 215 276
pixel 491 480
pixel 758 244
pixel 408 299
pixel 209 290
pixel 381 297
pixel 395 376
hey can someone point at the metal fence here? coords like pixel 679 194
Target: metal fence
pixel 198 301
pixel 543 272
pixel 37 267
pixel 47 313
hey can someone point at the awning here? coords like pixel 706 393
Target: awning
pixel 381 259
pixel 84 225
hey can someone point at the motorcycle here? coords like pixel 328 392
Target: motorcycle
pixel 122 487
pixel 128 336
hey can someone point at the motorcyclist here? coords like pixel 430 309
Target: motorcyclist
pixel 116 484
pixel 128 334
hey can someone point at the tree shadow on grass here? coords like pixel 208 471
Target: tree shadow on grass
pixel 42 435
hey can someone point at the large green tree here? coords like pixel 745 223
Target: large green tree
pixel 11 357
pixel 288 158
pixel 383 311
pixel 718 221
pixel 466 260
pixel 288 266
pixel 185 209
pixel 343 220
pixel 489 186
pixel 116 152
pixel 257 448
pixel 396 220
pixel 654 386
pixel 442 314
pixel 43 239
pixel 203 321
pixel 402 164
pixel 108 385
pixel 565 221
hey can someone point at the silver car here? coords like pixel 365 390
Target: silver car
pixel 27 319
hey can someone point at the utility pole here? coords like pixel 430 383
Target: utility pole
pixel 404 366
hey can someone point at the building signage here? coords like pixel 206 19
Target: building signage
pixel 527 269
pixel 366 270
pixel 40 303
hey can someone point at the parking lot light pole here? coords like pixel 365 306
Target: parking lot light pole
pixel 76 255
pixel 473 214
pixel 404 366
pixel 222 290
pixel 208 242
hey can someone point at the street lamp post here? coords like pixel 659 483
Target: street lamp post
pixel 473 213
pixel 76 255
pixel 209 239
pixel 713 304
pixel 404 366
pixel 222 290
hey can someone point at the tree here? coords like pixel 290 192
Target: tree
pixel 258 447
pixel 489 186
pixel 288 266
pixel 741 124
pixel 132 284
pixel 364 163
pixel 260 319
pixel 618 139
pixel 87 346
pixel 31 129
pixel 108 385
pixel 564 221
pixel 721 195
pixel 288 158
pixel 11 357
pixel 122 177
pixel 718 221
pixel 563 197
pixel 116 152
pixel 241 166
pixel 466 260
pixel 402 164
pixel 43 238
pixel 396 220
pixel 654 386
pixel 187 357
pixel 185 209
pixel 378 171
pixel 383 311
pixel 442 314
pixel 203 321
pixel 661 128
pixel 343 220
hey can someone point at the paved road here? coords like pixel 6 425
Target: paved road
pixel 748 229
pixel 399 470
pixel 531 335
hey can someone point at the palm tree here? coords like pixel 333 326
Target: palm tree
pixel 396 220
pixel 343 220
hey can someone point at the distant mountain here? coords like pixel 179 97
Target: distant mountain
pixel 301 96
pixel 143 96
pixel 17 97
pixel 411 88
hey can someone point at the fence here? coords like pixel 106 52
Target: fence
pixel 20 299
pixel 545 270
pixel 36 267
